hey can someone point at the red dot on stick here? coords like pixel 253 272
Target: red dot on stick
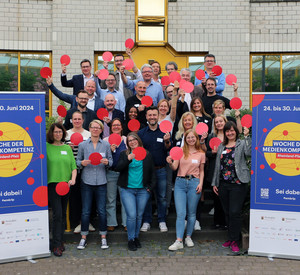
pixel 256 148
pixel 285 132
pixel 270 119
pixel 270 179
pixel 265 130
pixel 252 172
pixel 273 165
pixel 297 168
pixel 15 169
pixel 262 166
pixel 1 133
pixel 31 171
pixel 41 156
pixel 27 128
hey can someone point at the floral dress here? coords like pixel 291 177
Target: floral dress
pixel 228 173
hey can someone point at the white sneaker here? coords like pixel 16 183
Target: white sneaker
pixel 163 227
pixel 145 227
pixel 104 244
pixel 175 246
pixel 197 226
pixel 189 242
pixel 82 244
pixel 77 229
pixel 211 212
pixel 91 228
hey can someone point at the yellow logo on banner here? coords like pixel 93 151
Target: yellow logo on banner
pixel 16 149
pixel 285 142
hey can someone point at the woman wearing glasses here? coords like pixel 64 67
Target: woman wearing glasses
pixel 137 179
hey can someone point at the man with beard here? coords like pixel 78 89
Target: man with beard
pixel 158 144
pixel 88 115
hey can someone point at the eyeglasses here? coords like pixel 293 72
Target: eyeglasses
pixel 84 67
pixel 95 128
pixel 144 72
pixel 83 98
pixel 131 140
pixel 209 61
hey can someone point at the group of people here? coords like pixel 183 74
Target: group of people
pixel 137 180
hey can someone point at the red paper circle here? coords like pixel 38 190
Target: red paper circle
pixel 217 70
pixel 230 79
pixel 140 153
pixel 200 74
pixel 201 128
pixel 134 125
pixel 38 119
pixel 115 139
pixel 103 74
pixel 107 56
pixel 187 86
pixel 235 103
pixel 129 43
pixel 61 110
pixel 176 153
pixel 95 158
pixel 246 121
pixel 76 138
pixel 62 188
pixel 174 76
pixel 257 99
pixel 102 113
pixel 147 100
pixel 165 80
pixel 65 59
pixel 166 126
pixel 128 63
pixel 45 72
pixel 214 142
pixel 30 181
pixel 40 196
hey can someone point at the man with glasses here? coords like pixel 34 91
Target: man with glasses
pixel 120 86
pixel 77 81
pixel 209 63
pixel 94 102
pixel 82 99
pixel 119 97
pixel 153 89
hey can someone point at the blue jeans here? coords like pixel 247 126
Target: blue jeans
pixel 161 195
pixel 111 203
pixel 87 194
pixel 134 201
pixel 186 201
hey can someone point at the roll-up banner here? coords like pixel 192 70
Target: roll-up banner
pixel 24 230
pixel 275 180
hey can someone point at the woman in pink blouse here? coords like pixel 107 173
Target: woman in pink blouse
pixel 188 187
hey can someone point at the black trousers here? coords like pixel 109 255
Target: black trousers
pixel 59 209
pixel 232 198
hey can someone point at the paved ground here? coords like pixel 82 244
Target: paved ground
pixel 207 257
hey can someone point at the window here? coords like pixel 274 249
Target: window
pixel 151 22
pixel 196 63
pixel 275 73
pixel 20 71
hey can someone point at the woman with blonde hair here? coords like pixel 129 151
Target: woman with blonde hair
pixel 188 187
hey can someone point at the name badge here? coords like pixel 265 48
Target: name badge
pixel 136 105
pixel 103 155
pixel 194 161
pixel 128 76
pixel 63 152
pixel 159 140
pixel 205 120
pixel 224 152
pixel 178 143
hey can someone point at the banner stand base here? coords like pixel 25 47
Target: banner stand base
pixel 25 258
pixel 262 254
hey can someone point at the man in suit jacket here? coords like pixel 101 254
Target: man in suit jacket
pixel 78 81
pixel 110 103
pixel 94 102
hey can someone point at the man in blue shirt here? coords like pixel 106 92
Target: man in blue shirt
pixel 154 89
pixel 158 144
pixel 210 62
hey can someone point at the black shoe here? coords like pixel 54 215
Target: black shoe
pixel 137 243
pixel 131 245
